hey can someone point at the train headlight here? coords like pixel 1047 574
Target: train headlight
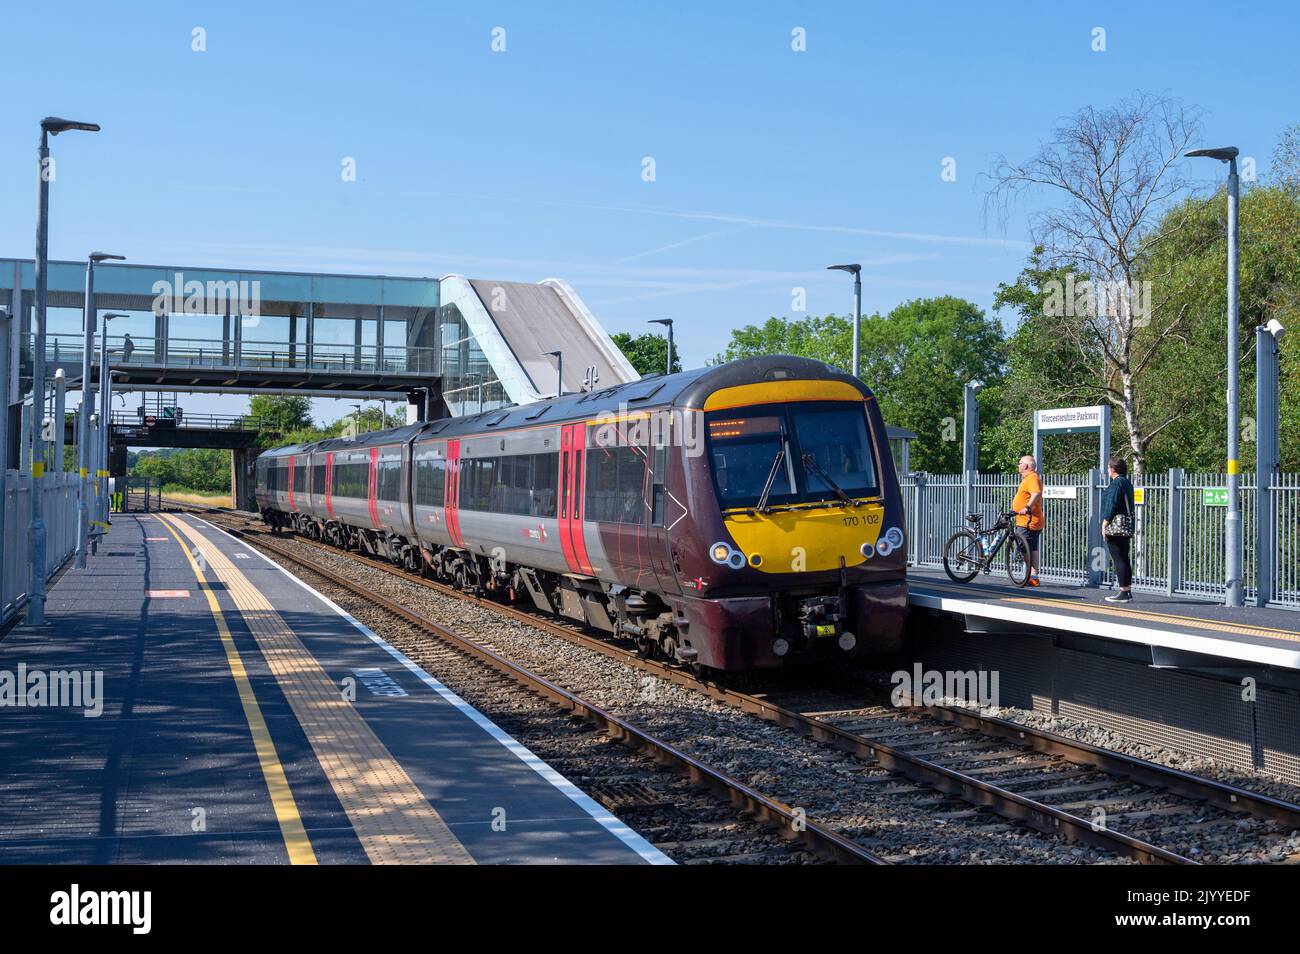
pixel 884 547
pixel 868 550
pixel 724 554
pixel 895 537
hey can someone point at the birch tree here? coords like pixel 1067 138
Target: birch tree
pixel 1102 185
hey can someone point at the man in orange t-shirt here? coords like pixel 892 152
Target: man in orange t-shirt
pixel 1028 506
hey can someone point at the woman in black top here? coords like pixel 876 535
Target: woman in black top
pixel 1118 499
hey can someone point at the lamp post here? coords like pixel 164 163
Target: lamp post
pixel 1233 595
pixel 356 421
pixel 87 404
pixel 856 272
pixel 559 370
pixel 50 126
pixel 105 414
pixel 669 323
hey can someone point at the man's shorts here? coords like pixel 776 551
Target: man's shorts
pixel 1030 537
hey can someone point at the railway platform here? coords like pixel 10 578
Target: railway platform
pixel 1178 631
pixel 189 701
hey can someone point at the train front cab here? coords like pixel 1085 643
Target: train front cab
pixel 800 552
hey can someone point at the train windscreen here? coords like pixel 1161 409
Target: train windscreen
pixel 796 454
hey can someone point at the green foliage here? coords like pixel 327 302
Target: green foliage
pixel 917 359
pixel 204 470
pixel 648 352
pixel 281 412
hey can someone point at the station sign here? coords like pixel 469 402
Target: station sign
pixel 1061 493
pixel 1069 420
pixel 1214 496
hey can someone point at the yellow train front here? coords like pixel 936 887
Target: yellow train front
pixel 794 547
pixel 734 517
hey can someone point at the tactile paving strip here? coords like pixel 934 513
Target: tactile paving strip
pixel 393 820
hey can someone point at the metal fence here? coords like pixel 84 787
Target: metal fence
pixel 60 532
pixel 1179 540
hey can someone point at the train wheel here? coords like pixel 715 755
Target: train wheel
pixel 963 556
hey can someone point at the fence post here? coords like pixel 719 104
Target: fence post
pixel 1093 535
pixel 919 514
pixel 1265 538
pixel 968 491
pixel 1174 537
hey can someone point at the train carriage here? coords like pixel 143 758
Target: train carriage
pixel 733 517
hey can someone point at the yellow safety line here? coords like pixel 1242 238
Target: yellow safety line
pixel 1243 629
pixel 390 815
pixel 277 784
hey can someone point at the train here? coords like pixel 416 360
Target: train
pixel 741 516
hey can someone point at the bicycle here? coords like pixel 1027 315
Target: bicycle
pixel 972 549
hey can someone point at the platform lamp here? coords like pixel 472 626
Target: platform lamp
pixel 1233 595
pixel 87 403
pixel 50 126
pixel 856 272
pixel 559 370
pixel 669 323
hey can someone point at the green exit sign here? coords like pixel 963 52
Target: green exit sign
pixel 1214 496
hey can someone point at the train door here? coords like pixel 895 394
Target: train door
pixel 664 512
pixel 572 455
pixel 451 493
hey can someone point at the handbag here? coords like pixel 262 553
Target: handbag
pixel 1121 525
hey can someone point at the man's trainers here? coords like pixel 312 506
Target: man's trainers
pixel 1120 597
pixel 1033 581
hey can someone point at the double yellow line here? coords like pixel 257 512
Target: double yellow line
pixel 277 783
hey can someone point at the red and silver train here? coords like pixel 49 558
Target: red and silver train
pixel 740 516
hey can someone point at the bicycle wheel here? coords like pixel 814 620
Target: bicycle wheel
pixel 1017 560
pixel 963 556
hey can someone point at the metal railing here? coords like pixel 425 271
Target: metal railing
pixel 246 353
pixel 1179 540
pixel 60 532
pixel 211 422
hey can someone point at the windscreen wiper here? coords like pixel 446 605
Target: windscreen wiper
pixel 810 464
pixel 771 479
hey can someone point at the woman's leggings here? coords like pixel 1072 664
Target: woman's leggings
pixel 1118 547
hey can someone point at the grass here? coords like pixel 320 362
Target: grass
pixel 189 497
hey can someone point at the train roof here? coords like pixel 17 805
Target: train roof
pixel 684 389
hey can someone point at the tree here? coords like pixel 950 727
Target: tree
pixel 1113 174
pixel 917 359
pixel 828 338
pixel 647 352
pixel 281 412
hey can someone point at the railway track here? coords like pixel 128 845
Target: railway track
pixel 1124 806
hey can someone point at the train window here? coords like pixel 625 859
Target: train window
pixel 658 476
pixel 318 478
pixel 389 474
pixel 299 477
pixel 519 484
pixel 352 480
pixel 430 481
pixel 616 484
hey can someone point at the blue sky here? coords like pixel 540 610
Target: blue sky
pixel 769 163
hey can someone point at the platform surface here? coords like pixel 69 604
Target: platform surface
pixel 244 718
pixel 1262 636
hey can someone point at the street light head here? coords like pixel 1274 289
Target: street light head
pixel 975 384
pixel 851 269
pixel 661 321
pixel 105 256
pixel 1222 153
pixel 54 125
pixel 1275 328
pixel 110 315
